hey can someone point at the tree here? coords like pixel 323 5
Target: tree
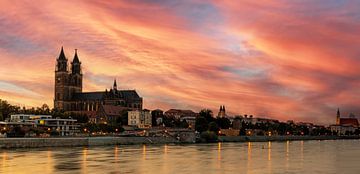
pixel 207 114
pixel 223 123
pixel 213 127
pixel 201 124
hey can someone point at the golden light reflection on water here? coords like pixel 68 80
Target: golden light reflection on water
pixel 269 163
pixel 50 163
pixel 165 149
pixel 219 151
pixel 84 160
pixel 248 165
pixel 144 152
pixel 287 154
pixel 269 151
pixel 219 155
pixel 116 154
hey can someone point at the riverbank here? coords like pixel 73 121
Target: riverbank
pixel 281 138
pixel 81 141
pixel 102 141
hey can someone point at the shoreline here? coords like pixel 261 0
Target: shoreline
pixel 7 143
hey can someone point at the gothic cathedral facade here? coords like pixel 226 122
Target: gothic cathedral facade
pixel 69 95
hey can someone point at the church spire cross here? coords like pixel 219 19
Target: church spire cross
pixel 76 58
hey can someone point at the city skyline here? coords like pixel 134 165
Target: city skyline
pixel 285 61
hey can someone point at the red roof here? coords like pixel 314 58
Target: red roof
pixel 349 121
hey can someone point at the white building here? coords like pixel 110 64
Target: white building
pixel 27 117
pixel 62 126
pixel 141 119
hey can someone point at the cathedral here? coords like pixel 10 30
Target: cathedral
pixel 69 96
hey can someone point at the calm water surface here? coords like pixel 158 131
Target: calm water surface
pixel 337 156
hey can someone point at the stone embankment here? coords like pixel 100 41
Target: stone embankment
pixel 281 138
pixel 101 141
pixel 81 141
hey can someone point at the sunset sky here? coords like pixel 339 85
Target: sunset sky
pixel 282 59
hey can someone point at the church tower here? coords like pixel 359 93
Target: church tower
pixel 76 75
pixel 61 82
pixel 222 112
pixel 338 117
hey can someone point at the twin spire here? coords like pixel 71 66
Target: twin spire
pixel 222 108
pixel 62 63
pixel 63 57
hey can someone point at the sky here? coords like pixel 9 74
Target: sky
pixel 288 60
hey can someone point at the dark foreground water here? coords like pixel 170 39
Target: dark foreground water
pixel 335 156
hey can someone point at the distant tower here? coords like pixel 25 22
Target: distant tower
pixel 115 85
pixel 338 117
pixel 61 82
pixel 222 112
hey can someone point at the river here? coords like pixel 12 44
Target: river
pixel 331 156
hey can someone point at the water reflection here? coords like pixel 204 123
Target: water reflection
pixel 261 157
pixel 84 160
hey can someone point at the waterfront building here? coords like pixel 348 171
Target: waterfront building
pixel 344 125
pixel 62 126
pixel 157 116
pixel 237 123
pixel 190 120
pixel 140 119
pixel 253 120
pixel 229 132
pixel 188 115
pixel 69 95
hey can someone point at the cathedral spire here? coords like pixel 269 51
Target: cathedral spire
pixel 76 58
pixel 61 62
pixel 76 64
pixel 115 85
pixel 62 54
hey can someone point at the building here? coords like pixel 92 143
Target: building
pixel 69 97
pixel 178 113
pixel 108 114
pixel 344 125
pixel 63 127
pixel 157 117
pixel 222 112
pixel 188 115
pixel 140 119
